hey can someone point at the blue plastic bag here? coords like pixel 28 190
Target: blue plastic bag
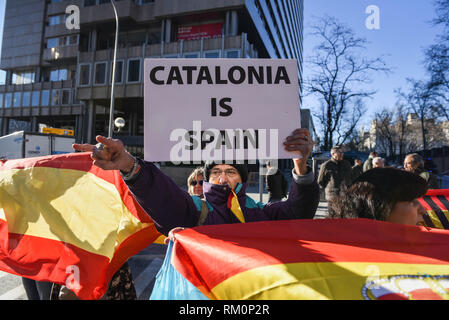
pixel 171 285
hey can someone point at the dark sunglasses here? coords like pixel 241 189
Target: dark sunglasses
pixel 194 182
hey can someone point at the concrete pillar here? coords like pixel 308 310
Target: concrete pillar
pixel 93 40
pixel 79 129
pixel 227 23
pixel 4 126
pixel 167 30
pixel 90 122
pixel 34 124
pixel 234 23
pixel 37 74
pixel 8 80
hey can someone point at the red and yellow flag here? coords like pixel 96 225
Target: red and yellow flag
pixel 315 259
pixel 66 221
pixel 436 203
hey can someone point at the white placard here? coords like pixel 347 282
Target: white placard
pixel 219 109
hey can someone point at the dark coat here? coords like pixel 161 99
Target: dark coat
pixel 277 185
pixel 169 206
pixel 333 176
pixel 356 172
pixel 431 179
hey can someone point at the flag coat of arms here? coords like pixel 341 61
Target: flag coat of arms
pixel 66 221
pixel 348 259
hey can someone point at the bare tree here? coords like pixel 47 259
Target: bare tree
pixel 401 127
pixel 338 73
pixel 386 135
pixel 437 58
pixel 422 100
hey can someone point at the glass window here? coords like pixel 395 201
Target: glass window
pixel 8 100
pixel 84 75
pixel 212 54
pixel 118 72
pixel 54 75
pixel 133 70
pixel 45 97
pixel 52 43
pixel 2 77
pixel 136 38
pixel 73 39
pixel 63 75
pixel 100 73
pixel 58 75
pixel 23 78
pixel 233 54
pixel 192 55
pixel 1 100
pixel 35 98
pixel 88 3
pixel 28 78
pixel 65 97
pixel 54 20
pixel 154 37
pixel 55 93
pixel 26 99
pixel 16 102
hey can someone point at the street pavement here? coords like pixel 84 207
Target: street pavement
pixel 144 266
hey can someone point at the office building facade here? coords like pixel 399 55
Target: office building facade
pixel 59 75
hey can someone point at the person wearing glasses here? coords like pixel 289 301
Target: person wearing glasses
pixel 225 200
pixel 195 182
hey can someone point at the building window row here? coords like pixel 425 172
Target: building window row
pixel 57 19
pixel 25 77
pixel 101 72
pixel 54 97
pixel 57 42
pixel 134 66
pixel 58 74
pixel 89 3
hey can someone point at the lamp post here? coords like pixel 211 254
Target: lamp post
pixel 111 108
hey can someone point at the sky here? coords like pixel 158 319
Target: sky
pixel 405 30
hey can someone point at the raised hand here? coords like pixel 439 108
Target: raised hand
pixel 300 143
pixel 109 154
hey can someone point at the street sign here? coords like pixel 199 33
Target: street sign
pixel 63 132
pixel 219 109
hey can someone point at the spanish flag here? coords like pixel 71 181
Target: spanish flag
pixel 348 259
pixel 436 203
pixel 66 221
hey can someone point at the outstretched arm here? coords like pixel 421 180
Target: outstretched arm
pixel 109 154
pixel 168 205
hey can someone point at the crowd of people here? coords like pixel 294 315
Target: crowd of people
pixel 216 192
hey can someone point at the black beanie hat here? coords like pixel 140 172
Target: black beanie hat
pixel 395 184
pixel 241 168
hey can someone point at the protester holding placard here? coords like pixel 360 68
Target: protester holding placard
pixel 225 197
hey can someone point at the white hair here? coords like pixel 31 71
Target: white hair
pixel 378 159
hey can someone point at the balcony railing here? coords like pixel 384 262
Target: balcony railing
pixel 59 53
pixel 39 99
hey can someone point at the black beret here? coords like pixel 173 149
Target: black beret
pixel 241 168
pixel 395 184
